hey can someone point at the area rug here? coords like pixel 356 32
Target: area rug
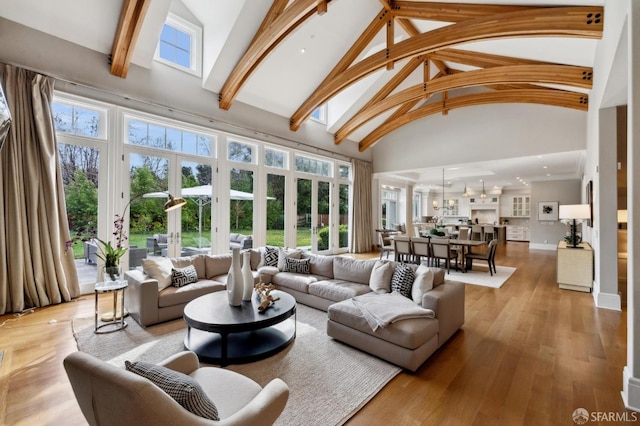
pixel 480 276
pixel 328 381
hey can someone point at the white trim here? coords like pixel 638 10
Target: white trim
pixel 607 300
pixel 539 246
pixel 195 32
pixel 630 390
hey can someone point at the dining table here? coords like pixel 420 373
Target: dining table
pixel 466 246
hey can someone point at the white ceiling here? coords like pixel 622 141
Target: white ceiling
pixel 287 77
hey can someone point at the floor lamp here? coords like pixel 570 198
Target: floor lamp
pixel 574 213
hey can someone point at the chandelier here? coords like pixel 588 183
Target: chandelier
pixel 452 202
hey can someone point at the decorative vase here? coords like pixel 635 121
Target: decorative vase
pixel 234 280
pixel 111 273
pixel 247 276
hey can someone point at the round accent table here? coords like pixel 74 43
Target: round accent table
pixel 113 321
pixel 223 334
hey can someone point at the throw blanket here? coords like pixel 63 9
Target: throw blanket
pixel 380 310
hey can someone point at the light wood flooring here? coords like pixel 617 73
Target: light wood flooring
pixel 528 354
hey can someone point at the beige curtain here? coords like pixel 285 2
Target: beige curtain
pixel 35 267
pixel 362 222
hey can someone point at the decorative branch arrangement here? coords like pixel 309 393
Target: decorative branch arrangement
pixel 264 292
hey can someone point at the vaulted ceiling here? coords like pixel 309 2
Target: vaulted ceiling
pixel 376 64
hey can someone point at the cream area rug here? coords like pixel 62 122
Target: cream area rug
pixel 479 275
pixel 328 381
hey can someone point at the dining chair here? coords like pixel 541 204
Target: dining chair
pixel 488 231
pixel 476 230
pixel 489 256
pixel 463 233
pixel 443 251
pixel 384 241
pixel 420 248
pixel 402 246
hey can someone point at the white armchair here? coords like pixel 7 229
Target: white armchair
pixel 109 395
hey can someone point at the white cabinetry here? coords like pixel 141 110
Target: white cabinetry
pixel 517 233
pixel 575 267
pixel 520 206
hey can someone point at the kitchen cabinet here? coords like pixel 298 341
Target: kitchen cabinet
pixel 520 206
pixel 517 233
pixel 575 267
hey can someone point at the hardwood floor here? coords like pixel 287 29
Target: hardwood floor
pixel 529 353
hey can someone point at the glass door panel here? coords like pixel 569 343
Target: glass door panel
pixel 195 216
pixel 80 169
pixel 303 212
pixel 322 219
pixel 343 216
pixel 148 225
pixel 241 202
pixel 276 187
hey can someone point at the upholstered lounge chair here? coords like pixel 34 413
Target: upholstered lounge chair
pixel 109 395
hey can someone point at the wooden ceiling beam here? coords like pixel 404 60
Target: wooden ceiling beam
pixel 287 21
pixel 557 98
pixel 398 78
pixel 481 60
pixel 276 9
pixel 450 12
pixel 547 22
pixel 549 74
pixel 131 19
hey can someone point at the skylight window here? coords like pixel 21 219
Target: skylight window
pixel 179 45
pixel 320 114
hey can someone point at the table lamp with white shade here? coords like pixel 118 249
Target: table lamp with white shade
pixel 574 213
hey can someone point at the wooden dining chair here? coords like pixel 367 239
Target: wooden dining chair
pixel 384 241
pixel 420 248
pixel 463 233
pixel 402 246
pixel 443 251
pixel 489 256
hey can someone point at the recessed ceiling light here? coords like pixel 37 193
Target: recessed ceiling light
pixel 517 177
pixel 544 167
pixel 548 174
pixel 303 50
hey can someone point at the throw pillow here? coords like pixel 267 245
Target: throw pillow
pixel 182 388
pixel 380 281
pixel 402 280
pixel 271 256
pixel 183 276
pixel 301 266
pixel 159 269
pixel 422 284
pixel 283 254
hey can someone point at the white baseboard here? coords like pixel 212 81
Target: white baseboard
pixel 538 246
pixel 607 300
pixel 630 390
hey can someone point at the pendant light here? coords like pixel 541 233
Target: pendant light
pixel 484 194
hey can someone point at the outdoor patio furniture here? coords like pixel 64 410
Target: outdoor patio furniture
pixel 90 251
pixel 156 243
pixel 136 254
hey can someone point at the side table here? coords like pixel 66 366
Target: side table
pixel 114 324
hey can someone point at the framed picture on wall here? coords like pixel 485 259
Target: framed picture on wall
pixel 589 198
pixel 547 210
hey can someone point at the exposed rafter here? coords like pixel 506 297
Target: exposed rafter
pixel 131 18
pixel 545 22
pixel 278 28
pixel 450 12
pixel 557 98
pixel 547 74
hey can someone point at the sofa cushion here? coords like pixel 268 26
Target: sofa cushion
pixel 223 278
pixel 234 238
pixel 300 266
pixel 294 281
pixel 381 274
pixel 337 290
pixel 271 256
pixel 408 333
pixel 349 269
pixel 438 276
pixel 158 268
pixel 402 280
pixel 320 265
pixel 218 264
pixel 422 283
pixel 283 254
pixel 255 258
pixel 197 261
pixel 172 296
pixel 184 389
pixel 183 276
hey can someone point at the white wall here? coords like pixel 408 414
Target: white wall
pixel 481 133
pixel 546 234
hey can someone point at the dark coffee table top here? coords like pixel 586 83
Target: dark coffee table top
pixel 213 313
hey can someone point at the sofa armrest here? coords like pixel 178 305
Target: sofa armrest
pixel 264 408
pixel 266 273
pixel 447 301
pixel 184 362
pixel 142 297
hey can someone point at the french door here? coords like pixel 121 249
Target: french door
pixel 313 208
pixel 153 175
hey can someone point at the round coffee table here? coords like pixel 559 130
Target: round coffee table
pixel 223 334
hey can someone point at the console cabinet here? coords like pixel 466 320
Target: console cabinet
pixel 575 267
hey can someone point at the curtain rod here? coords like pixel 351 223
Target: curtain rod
pixel 194 115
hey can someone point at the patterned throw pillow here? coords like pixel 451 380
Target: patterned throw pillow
pixel 183 276
pixel 271 256
pixel 301 266
pixel 402 280
pixel 182 388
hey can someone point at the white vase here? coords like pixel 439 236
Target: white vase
pixel 234 280
pixel 247 276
